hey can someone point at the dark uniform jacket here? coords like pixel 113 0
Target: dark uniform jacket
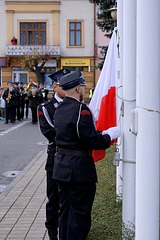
pixel 75 131
pixel 34 101
pixel 17 93
pixel 12 99
pixel 46 122
pixel 23 95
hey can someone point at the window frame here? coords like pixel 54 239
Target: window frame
pixel 33 21
pixel 68 33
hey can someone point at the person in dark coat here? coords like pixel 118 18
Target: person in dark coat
pixel 74 168
pixel 35 98
pixel 17 106
pixel 22 99
pixel 46 122
pixel 9 96
pixel 26 102
pixel 44 92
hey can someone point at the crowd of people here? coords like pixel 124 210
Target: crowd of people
pixel 18 98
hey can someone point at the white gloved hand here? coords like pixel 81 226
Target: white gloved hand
pixel 113 132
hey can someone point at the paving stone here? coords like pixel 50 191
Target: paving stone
pixel 22 214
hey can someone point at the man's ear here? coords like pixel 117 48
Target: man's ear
pixel 78 90
pixel 54 86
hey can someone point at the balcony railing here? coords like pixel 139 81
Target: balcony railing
pixel 17 50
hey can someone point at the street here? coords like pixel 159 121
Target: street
pixel 19 144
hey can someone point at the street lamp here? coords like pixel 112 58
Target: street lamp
pixel 113 13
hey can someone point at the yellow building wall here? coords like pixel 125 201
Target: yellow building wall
pixel 6 76
pixel 7 72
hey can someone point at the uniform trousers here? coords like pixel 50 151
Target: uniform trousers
pixel 52 205
pixel 75 200
pixel 27 107
pixel 17 113
pixel 34 114
pixel 22 111
pixel 10 114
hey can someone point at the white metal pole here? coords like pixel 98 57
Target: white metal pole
pixel 129 94
pixel 119 173
pixel 148 107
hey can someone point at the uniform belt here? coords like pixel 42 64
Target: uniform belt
pixel 73 152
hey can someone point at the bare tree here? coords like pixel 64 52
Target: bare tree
pixel 35 63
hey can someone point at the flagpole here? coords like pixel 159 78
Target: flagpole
pixel 129 95
pixel 148 107
pixel 119 173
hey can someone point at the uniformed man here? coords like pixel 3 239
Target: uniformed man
pixel 22 99
pixel 17 100
pixel 9 96
pixel 44 92
pixel 35 98
pixel 46 122
pixel 74 168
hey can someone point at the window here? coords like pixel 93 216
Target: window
pixel 48 82
pixel 32 33
pixel 75 33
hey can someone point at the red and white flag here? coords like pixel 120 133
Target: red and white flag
pixel 103 102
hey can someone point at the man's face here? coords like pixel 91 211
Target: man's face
pixel 58 90
pixel 34 90
pixel 41 86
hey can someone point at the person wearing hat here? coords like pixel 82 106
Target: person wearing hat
pixel 44 92
pixel 74 168
pixel 46 123
pixel 22 99
pixel 35 98
pixel 9 96
pixel 17 105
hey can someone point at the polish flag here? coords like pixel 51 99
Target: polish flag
pixel 103 102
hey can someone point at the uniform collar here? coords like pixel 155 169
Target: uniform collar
pixel 58 98
pixel 72 98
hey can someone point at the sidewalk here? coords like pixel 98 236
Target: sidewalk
pixel 22 204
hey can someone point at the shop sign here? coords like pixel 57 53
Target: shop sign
pixel 75 62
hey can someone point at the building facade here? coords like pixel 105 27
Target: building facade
pixel 64 31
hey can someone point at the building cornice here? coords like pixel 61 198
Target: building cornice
pixel 32 2
pixel 28 7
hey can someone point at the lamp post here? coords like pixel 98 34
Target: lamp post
pixel 114 13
